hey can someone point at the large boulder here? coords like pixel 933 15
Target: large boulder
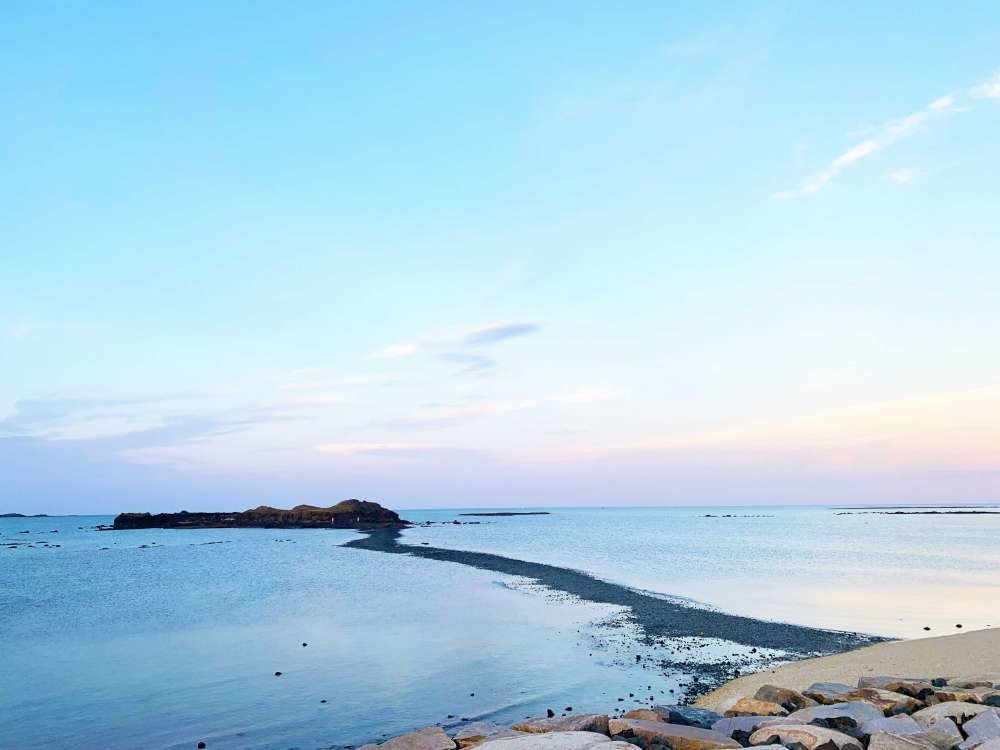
pixel 987 696
pixel 754 707
pixel 429 738
pixel 740 728
pixel 828 692
pixel 890 702
pixel 915 687
pixel 811 737
pixel 892 725
pixel 479 731
pixel 581 723
pixel 555 741
pixel 687 715
pixel 840 716
pixel 889 741
pixel 975 681
pixel 647 714
pixel 957 711
pixel 676 736
pixel 790 699
pixel 981 728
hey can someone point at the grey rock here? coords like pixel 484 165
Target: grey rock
pixel 581 723
pixel 478 731
pixel 827 692
pixel 553 741
pixel 687 715
pixel 958 711
pixel 978 729
pixel 809 736
pixel 837 715
pixel 738 727
pixel 887 741
pixel 676 736
pixel 429 738
pixel 892 725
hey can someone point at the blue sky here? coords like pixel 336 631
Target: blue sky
pixel 482 254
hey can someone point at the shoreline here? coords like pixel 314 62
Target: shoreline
pixel 975 652
pixel 658 618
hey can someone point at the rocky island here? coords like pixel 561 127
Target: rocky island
pixel 349 514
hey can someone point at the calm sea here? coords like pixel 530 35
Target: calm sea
pixel 161 639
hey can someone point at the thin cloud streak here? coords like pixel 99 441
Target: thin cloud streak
pixel 889 134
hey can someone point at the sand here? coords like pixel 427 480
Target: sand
pixel 965 654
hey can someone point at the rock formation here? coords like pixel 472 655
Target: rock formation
pixel 350 514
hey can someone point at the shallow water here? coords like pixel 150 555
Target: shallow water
pixel 178 641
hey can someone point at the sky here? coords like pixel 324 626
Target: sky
pixel 498 254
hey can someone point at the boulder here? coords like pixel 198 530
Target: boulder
pixel 975 681
pixel 429 738
pixel 754 707
pixel 478 731
pixel 978 729
pixel 676 736
pixel 993 744
pixel 892 725
pixel 888 741
pixel 828 692
pixel 987 696
pixel 839 716
pixel 647 714
pixel 809 736
pixel 687 715
pixel 740 728
pixel 581 723
pixel 944 733
pixel 790 699
pixel 554 741
pixel 957 711
pixel 915 687
pixel 889 701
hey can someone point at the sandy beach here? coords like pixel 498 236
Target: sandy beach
pixel 973 653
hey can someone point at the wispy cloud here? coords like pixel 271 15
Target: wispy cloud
pixel 394 351
pixel 497 332
pixel 462 347
pixel 410 451
pixel 988 89
pixel 887 135
pixel 316 384
pixel 902 176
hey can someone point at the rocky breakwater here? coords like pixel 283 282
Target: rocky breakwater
pixel 880 713
pixel 349 514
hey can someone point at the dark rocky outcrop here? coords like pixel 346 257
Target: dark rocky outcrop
pixel 350 514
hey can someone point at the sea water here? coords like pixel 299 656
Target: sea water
pixel 163 638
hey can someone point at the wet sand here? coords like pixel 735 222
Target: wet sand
pixel 959 655
pixel 659 618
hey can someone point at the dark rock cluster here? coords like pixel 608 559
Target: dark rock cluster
pixel 349 514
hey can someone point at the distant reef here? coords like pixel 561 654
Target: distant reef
pixel 350 514
pixel 22 515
